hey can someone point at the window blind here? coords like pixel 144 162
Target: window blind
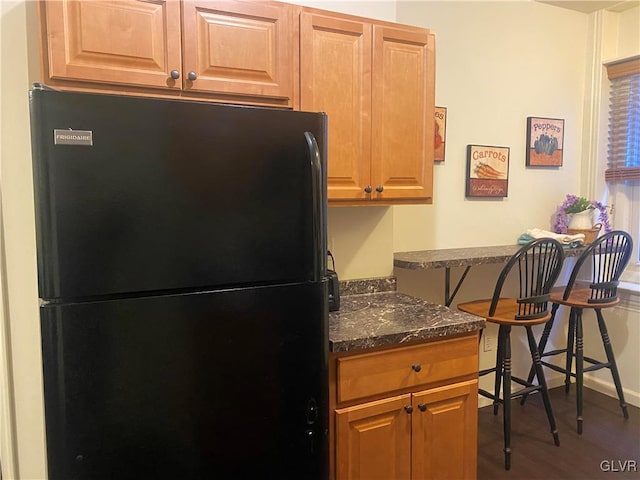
pixel 623 161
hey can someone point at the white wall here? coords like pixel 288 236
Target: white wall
pixel 616 36
pixel 498 63
pixel 628 38
pixel 19 321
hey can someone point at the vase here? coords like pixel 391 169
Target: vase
pixel 581 220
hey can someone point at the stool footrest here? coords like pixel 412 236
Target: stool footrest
pixel 484 393
pixel 553 352
pixel 526 391
pixel 517 394
pixel 521 381
pixel 597 366
pixel 486 371
pixel 555 367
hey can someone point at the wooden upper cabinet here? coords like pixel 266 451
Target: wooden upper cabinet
pixel 221 50
pixel 335 77
pixel 403 112
pixel 239 48
pixel 118 42
pixel 376 82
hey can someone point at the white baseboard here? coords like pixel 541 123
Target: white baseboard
pixel 609 389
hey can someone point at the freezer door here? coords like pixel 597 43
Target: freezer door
pixel 142 195
pixel 213 385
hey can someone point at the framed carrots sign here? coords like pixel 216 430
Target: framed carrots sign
pixel 487 171
pixel 545 138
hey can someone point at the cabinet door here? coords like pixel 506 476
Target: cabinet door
pixel 444 432
pixel 122 42
pixel 335 65
pixel 373 440
pixel 239 48
pixel 403 113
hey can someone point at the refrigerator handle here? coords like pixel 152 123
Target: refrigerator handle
pixel 319 225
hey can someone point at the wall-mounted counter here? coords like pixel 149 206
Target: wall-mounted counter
pixel 460 257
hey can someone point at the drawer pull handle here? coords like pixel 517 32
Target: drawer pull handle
pixel 416 367
pixel 408 409
pixel 422 407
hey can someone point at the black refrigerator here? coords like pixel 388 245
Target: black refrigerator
pixel 181 251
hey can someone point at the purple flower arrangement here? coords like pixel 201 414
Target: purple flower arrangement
pixel 574 204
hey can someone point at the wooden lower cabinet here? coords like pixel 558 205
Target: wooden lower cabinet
pixel 444 435
pixel 374 440
pixel 424 430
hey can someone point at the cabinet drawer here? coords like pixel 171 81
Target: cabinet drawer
pixel 376 373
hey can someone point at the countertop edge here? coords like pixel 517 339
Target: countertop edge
pixel 387 319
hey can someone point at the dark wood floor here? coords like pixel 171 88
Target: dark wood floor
pixel 607 439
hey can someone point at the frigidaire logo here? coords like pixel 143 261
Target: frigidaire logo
pixel 73 137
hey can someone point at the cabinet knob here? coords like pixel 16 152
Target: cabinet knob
pixel 416 367
pixel 379 188
pixel 175 74
pixel 422 407
pixel 408 409
pixel 192 76
pixel 367 189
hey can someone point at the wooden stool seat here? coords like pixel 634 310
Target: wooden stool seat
pixel 537 265
pixel 506 311
pixel 579 297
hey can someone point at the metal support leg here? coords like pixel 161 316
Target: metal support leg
pixel 447 284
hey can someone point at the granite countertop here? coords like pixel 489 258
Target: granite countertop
pixel 373 314
pixel 461 257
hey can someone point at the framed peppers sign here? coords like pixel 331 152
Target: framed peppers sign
pixel 487 171
pixel 545 139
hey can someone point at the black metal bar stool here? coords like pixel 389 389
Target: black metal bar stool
pixel 592 285
pixel 538 266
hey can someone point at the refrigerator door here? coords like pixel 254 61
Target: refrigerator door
pixel 226 384
pixel 137 195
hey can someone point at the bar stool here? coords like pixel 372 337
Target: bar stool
pixel 601 263
pixel 538 266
